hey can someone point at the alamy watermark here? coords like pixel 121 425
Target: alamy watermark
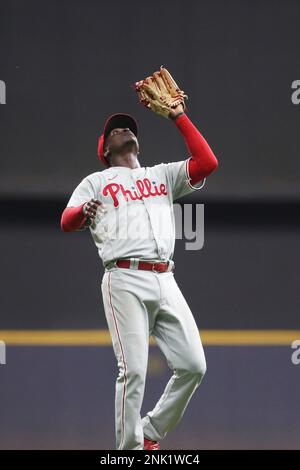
pixel 184 216
pixel 295 358
pixel 295 97
pixel 182 222
pixel 2 92
pixel 2 353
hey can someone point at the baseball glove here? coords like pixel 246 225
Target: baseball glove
pixel 160 92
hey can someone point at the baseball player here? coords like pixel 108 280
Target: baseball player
pixel 129 211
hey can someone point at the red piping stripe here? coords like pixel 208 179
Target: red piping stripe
pixel 124 362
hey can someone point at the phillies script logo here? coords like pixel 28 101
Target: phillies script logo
pixel 145 189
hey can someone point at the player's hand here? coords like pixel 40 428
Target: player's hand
pixel 175 112
pixel 91 208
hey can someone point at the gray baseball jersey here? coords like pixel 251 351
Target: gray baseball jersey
pixel 139 221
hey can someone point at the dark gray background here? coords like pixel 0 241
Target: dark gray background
pixel 68 64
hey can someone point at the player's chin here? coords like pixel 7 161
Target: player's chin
pixel 131 142
pixel 130 138
pixel 123 141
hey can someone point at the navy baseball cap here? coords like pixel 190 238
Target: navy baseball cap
pixel 113 121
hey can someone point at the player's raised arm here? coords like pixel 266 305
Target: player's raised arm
pixel 161 94
pixel 203 161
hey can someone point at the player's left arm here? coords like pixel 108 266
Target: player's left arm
pixel 160 93
pixel 202 161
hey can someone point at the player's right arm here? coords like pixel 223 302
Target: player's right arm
pixel 79 217
pixel 83 205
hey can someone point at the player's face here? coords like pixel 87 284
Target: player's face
pixel 120 137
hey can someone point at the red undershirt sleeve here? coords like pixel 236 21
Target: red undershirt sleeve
pixel 202 161
pixel 72 218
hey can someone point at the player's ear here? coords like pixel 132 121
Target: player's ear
pixel 106 152
pixel 107 155
pixel 137 148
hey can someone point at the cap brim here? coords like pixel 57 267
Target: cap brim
pixel 120 120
